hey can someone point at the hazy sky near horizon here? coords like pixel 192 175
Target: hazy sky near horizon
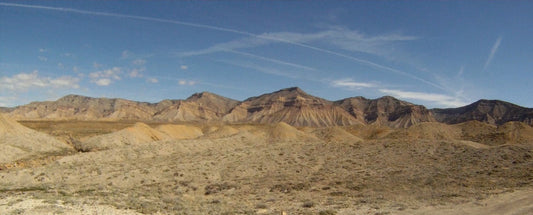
pixel 434 53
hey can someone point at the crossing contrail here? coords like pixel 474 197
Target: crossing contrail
pixel 230 30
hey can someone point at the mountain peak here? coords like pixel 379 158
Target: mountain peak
pixel 287 95
pixel 202 95
pixel 72 96
pixel 293 89
pixel 291 105
pixel 208 96
pixel 495 112
pixel 493 102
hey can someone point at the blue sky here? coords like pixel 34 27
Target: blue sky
pixel 435 53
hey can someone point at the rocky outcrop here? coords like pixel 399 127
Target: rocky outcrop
pixel 292 106
pixel 494 112
pixel 203 106
pixel 199 107
pixel 386 111
pixel 85 108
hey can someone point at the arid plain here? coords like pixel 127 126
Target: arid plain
pixel 303 155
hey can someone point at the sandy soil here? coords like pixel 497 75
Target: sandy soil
pixel 246 171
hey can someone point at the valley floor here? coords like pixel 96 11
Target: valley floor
pixel 243 174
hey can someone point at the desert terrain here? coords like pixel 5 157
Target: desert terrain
pixel 284 152
pixel 136 168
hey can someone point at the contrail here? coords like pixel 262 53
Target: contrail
pixel 216 28
pixel 270 59
pixel 492 52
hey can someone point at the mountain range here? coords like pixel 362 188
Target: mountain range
pixel 291 105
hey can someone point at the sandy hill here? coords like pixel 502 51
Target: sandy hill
pixel 494 112
pixel 180 132
pixel 508 133
pixel 428 131
pixel 137 134
pixel 480 132
pixel 336 134
pixel 220 131
pixel 369 132
pixel 18 142
pixel 386 110
pixel 292 106
pixel 283 132
pixel 517 132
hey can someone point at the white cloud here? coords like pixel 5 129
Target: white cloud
pixel 102 82
pixel 455 84
pixel 152 80
pixel 108 73
pixel 42 50
pixel 75 69
pixel 338 37
pixel 349 83
pixel 106 77
pixel 341 38
pixel 492 52
pixel 43 58
pixel 126 54
pixel 266 70
pixel 26 81
pixel 184 67
pixel 186 82
pixel 60 65
pixel 440 99
pixel 137 72
pixel 65 82
pixel 139 62
pixel 272 60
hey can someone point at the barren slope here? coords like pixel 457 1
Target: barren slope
pixel 494 112
pixel 292 106
pixel 386 111
pixel 203 106
pixel 18 142
pixel 232 175
pixel 137 134
pixel 85 108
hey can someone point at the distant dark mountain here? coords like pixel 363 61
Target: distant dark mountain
pixel 291 105
pixel 386 111
pixel 6 109
pixel 494 112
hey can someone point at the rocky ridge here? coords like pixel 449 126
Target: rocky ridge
pixel 494 112
pixel 291 105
